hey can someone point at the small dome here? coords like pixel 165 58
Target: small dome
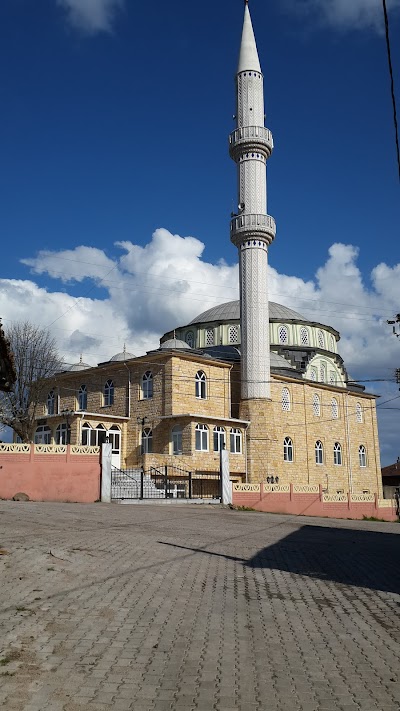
pixel 75 367
pixel 125 355
pixel 174 343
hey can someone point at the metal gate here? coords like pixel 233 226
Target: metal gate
pixel 168 482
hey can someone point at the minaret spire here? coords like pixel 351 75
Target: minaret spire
pixel 248 58
pixel 252 230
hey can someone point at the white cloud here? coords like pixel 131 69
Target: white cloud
pixel 166 283
pixel 345 14
pixel 91 16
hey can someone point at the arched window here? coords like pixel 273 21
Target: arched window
pixel 147 440
pixel 304 336
pixel 189 338
pixel 322 372
pixel 82 398
pixel 362 455
pixel 209 337
pixel 337 454
pixel 283 335
pixel 219 439
pixel 316 403
pixel 42 435
pixel 63 434
pixel 319 452
pixel 313 374
pixel 332 377
pixel 359 413
pixel 201 385
pixel 100 434
pixel 109 393
pixel 147 385
pixel 51 403
pixel 236 441
pixel 201 438
pixel 233 334
pixel 332 343
pixel 114 437
pixel 87 433
pixel 177 439
pixel 334 408
pixel 285 400
pixel 287 450
pixel 321 339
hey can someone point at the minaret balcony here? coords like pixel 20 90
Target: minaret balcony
pixel 252 227
pixel 250 139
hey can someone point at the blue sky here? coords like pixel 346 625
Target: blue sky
pixel 115 117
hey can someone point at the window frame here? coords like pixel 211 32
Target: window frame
pixel 282 328
pixel 108 393
pixel 316 405
pixel 147 385
pixel 337 454
pixel 201 385
pixel 288 450
pixel 362 456
pixel 319 453
pixel 235 438
pixel 147 440
pixel 359 413
pixel 82 393
pixel 201 437
pixel 334 409
pixel 219 438
pixel 176 437
pixel 51 403
pixel 286 403
pixel 304 336
pixel 42 430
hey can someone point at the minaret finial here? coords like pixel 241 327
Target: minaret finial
pixel 81 358
pixel 248 59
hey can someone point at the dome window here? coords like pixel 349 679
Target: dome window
pixel 189 338
pixel 322 373
pixel 283 335
pixel 304 336
pixel 321 339
pixel 313 374
pixel 233 334
pixel 332 377
pixel 209 337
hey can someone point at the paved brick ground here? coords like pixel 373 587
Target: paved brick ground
pixel 191 607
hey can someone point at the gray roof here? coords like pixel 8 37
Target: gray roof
pixel 278 361
pixel 174 343
pixel 231 312
pixel 122 356
pixel 75 367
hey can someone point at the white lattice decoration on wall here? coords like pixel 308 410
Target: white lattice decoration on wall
pixel 334 498
pixel 17 448
pixel 209 337
pixel 360 498
pixel 285 400
pixel 233 334
pixel 50 448
pixel 249 488
pixel 304 336
pixel 306 489
pixel 277 488
pixel 83 449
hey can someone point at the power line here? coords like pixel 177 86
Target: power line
pixel 396 128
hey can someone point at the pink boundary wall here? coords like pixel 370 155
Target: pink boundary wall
pixel 311 505
pixel 51 477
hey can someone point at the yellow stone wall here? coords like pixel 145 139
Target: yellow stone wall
pixel 174 402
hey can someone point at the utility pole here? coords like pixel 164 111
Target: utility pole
pixel 396 325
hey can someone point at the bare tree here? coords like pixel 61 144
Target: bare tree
pixel 36 358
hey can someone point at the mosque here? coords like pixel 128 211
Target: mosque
pixel 251 376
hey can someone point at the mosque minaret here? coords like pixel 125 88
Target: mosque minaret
pixel 252 229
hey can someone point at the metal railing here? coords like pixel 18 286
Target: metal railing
pixel 168 482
